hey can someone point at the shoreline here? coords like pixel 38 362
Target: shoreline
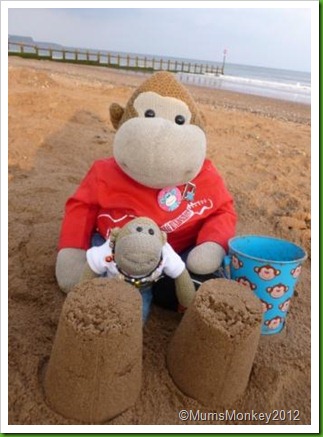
pixel 262 81
pixel 228 99
pixel 247 86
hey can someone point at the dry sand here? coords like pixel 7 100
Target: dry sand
pixel 95 368
pixel 211 354
pixel 59 124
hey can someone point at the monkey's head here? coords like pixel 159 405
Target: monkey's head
pixel 138 246
pixel 160 139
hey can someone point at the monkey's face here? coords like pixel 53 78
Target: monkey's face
pixel 138 247
pixel 160 147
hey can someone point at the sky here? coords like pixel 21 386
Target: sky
pixel 268 37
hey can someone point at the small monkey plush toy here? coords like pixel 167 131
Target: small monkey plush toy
pixel 139 254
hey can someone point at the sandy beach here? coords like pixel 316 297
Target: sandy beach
pixel 58 125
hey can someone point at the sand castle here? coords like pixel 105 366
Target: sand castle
pixel 94 372
pixel 211 354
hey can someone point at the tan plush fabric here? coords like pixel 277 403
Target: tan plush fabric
pixel 205 258
pixel 116 112
pixel 166 85
pixel 185 290
pixel 159 153
pixel 69 268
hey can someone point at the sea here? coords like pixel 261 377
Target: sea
pixel 289 85
pixel 276 83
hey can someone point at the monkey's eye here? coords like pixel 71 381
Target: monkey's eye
pixel 179 119
pixel 150 113
pixel 139 229
pixel 151 231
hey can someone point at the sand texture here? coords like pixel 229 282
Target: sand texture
pixel 212 352
pixel 58 125
pixel 95 367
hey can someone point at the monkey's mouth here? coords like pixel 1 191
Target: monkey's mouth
pixel 133 266
pixel 145 177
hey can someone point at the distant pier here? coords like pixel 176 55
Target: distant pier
pixel 112 60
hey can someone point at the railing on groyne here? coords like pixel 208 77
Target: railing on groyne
pixel 112 60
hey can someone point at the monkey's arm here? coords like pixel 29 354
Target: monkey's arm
pixel 216 229
pixel 205 258
pixel 175 268
pixel 185 290
pixel 88 273
pixel 98 262
pixel 77 227
pixel 70 264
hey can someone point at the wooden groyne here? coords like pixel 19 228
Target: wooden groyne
pixel 112 60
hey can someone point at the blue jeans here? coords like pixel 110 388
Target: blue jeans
pixel 163 291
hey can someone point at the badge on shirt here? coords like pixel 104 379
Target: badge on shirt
pixel 169 198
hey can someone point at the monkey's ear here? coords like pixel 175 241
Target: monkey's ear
pixel 164 237
pixel 114 234
pixel 116 113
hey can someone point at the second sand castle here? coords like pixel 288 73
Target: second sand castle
pixel 211 354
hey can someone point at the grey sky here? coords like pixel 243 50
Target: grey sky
pixel 279 38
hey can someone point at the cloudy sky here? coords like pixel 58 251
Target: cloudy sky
pixel 270 37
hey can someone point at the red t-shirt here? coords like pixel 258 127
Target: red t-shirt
pixel 108 198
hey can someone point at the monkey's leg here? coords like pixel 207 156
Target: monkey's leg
pixel 185 290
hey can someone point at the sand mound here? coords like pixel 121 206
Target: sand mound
pixel 226 307
pixel 94 372
pixel 99 306
pixel 212 352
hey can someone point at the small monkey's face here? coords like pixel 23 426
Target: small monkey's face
pixel 138 247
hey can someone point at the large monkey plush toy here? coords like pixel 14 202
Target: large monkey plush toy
pixel 158 170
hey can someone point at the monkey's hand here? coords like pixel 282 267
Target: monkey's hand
pixel 205 258
pixel 185 290
pixel 70 265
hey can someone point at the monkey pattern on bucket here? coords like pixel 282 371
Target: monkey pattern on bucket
pixel 267 272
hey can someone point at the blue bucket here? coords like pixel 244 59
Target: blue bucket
pixel 271 268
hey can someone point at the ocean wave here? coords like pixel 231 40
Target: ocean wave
pixel 292 91
pixel 292 87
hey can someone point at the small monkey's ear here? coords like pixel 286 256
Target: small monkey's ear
pixel 114 234
pixel 116 113
pixel 164 237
